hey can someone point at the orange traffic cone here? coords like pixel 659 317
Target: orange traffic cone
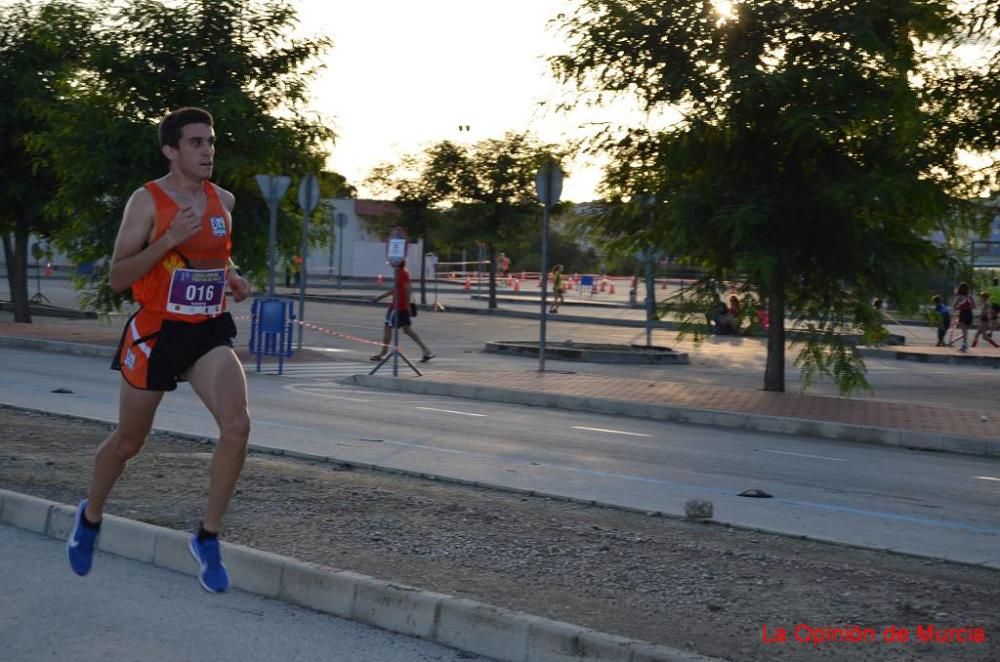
pixel 379 280
pixel 517 285
pixel 611 287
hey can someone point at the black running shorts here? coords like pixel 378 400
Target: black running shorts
pixel 154 354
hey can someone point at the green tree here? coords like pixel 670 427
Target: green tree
pixel 232 57
pixel 419 183
pixel 494 199
pixel 805 162
pixel 969 93
pixel 40 45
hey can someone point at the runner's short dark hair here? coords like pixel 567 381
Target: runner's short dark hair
pixel 173 124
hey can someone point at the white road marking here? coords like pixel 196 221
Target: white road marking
pixel 450 411
pixel 815 457
pixel 630 434
pixel 988 478
pixel 307 389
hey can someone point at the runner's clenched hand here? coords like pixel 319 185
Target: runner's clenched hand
pixel 239 286
pixel 184 225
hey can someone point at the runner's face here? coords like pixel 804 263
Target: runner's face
pixel 195 154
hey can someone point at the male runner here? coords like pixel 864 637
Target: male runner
pixel 173 249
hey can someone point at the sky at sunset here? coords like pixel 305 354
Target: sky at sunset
pixel 403 75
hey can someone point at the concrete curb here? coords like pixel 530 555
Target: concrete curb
pixel 57 346
pixel 589 352
pixel 466 625
pixel 47 310
pixel 951 359
pixel 930 441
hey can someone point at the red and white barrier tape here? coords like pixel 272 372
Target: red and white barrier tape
pixel 316 327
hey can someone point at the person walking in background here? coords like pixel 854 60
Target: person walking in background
pixel 173 249
pixel 964 304
pixel 994 291
pixel 504 263
pixel 985 320
pixel 399 313
pixel 943 319
pixel 557 288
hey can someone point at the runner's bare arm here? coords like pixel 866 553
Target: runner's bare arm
pixel 132 258
pixel 239 285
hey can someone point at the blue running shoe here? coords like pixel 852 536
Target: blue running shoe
pixel 81 542
pixel 212 572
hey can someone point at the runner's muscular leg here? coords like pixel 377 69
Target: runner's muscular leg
pixel 218 379
pixel 136 409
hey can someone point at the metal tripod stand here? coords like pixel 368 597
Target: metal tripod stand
pixel 395 355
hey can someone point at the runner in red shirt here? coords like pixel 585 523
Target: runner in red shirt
pixel 398 314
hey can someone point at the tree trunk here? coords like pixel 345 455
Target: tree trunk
pixel 16 253
pixel 774 372
pixel 493 275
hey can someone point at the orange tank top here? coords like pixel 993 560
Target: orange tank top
pixel 189 282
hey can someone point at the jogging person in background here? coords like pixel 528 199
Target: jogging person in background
pixel 173 249
pixel 398 315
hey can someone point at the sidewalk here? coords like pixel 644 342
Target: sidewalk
pixel 132 609
pixel 945 428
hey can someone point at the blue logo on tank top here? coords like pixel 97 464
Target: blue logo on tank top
pixel 218 226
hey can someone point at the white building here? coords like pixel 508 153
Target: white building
pixel 363 255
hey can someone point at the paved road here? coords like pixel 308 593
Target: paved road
pixel 925 503
pixel 128 611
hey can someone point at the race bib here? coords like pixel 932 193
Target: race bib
pixel 197 291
